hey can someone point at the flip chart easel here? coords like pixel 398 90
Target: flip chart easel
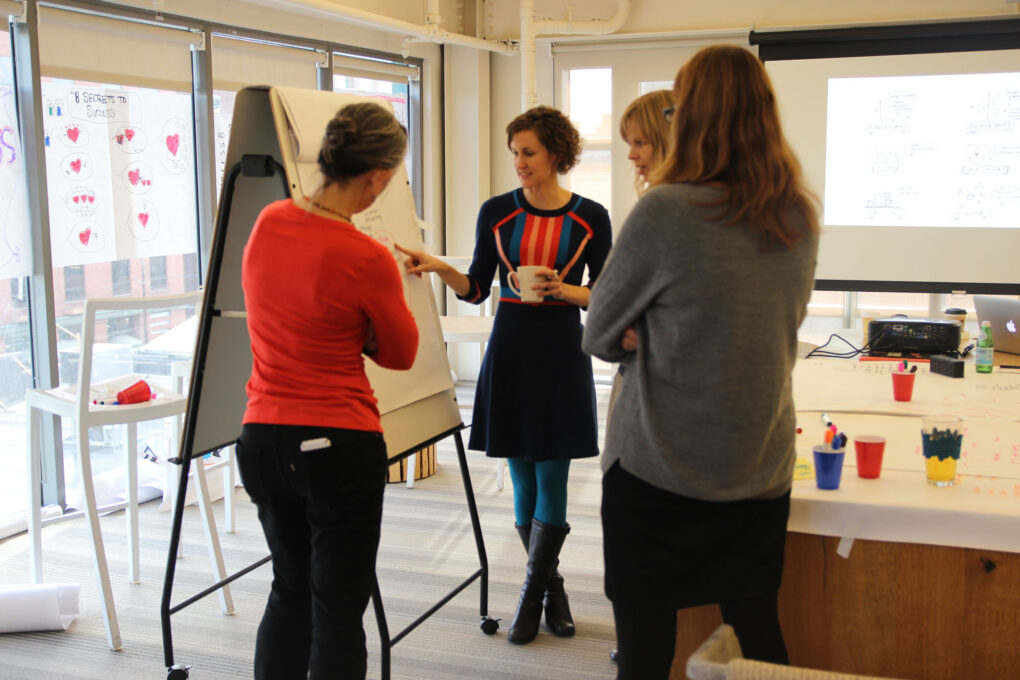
pixel 273 129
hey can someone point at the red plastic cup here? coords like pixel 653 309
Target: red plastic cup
pixel 135 394
pixel 869 450
pixel 903 386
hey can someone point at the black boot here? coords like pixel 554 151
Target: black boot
pixel 544 546
pixel 557 606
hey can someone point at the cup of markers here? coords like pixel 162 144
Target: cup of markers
pixel 903 381
pixel 829 458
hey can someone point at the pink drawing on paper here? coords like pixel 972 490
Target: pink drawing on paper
pixel 137 177
pixel 74 135
pixel 174 150
pixel 144 221
pixel 86 237
pixel 129 139
pixel 81 201
pixel 76 167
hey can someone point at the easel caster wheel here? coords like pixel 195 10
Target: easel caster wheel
pixel 614 655
pixel 178 673
pixel 490 626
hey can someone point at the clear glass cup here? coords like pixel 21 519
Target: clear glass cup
pixel 941 442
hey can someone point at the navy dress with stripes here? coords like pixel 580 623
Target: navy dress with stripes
pixel 535 398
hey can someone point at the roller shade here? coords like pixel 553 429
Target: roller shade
pixel 240 63
pixel 80 46
pixel 376 70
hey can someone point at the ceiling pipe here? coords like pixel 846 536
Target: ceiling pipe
pixel 430 32
pixel 589 26
pixel 531 28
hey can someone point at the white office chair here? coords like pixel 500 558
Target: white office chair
pixel 75 402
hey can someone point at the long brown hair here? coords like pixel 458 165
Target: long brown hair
pixel 726 130
pixel 645 112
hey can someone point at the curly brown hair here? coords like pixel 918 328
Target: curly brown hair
pixel 554 130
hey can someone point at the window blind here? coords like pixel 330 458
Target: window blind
pixel 79 46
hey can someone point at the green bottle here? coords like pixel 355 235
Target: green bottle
pixel 983 357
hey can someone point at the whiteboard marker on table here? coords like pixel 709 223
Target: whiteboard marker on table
pixel 316 444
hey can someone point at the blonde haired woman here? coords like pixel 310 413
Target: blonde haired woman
pixel 646 131
pixel 714 268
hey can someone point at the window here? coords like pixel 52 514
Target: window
pixel 590 107
pixel 121 184
pixel 74 283
pixel 18 294
pixel 157 273
pixel 120 272
pixel 190 275
pixel 395 92
pixel 15 266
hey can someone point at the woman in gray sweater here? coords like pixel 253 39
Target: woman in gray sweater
pixel 713 269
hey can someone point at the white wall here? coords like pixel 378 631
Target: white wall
pixel 466 124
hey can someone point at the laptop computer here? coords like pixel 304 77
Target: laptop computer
pixel 1004 316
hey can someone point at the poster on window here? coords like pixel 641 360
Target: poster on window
pixel 120 172
pixel 15 235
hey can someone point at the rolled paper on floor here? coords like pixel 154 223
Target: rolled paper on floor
pixel 40 606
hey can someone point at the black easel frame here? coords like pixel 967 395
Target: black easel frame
pixel 267 166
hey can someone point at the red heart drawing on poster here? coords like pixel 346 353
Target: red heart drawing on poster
pixel 91 199
pixel 134 176
pixel 84 236
pixel 76 165
pixel 75 198
pixel 72 133
pixel 172 143
pixel 144 219
pixel 129 133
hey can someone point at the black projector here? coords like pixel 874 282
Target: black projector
pixel 902 335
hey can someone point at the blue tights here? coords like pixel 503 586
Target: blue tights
pixel 540 491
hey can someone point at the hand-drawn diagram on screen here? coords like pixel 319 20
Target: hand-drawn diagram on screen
pixel 117 160
pixel 924 151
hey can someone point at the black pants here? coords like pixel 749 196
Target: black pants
pixel 321 512
pixel 664 552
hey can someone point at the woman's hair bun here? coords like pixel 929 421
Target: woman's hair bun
pixel 359 138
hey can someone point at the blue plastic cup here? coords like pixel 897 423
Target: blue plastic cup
pixel 828 466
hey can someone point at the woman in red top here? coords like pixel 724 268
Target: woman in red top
pixel 319 294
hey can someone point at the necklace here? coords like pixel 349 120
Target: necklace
pixel 316 204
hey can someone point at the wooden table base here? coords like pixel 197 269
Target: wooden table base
pixel 898 610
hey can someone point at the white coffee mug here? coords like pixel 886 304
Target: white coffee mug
pixel 523 279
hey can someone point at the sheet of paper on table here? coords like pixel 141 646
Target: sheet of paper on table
pixel 865 387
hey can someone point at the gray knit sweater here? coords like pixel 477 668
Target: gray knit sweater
pixel 705 405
